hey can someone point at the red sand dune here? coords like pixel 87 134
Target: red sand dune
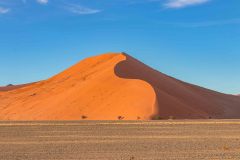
pixel 111 85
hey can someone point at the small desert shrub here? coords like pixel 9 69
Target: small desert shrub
pixel 226 148
pixel 132 158
pixel 120 117
pixel 84 117
pixel 157 118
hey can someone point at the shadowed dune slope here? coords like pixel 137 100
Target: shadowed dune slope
pixel 178 99
pixel 112 86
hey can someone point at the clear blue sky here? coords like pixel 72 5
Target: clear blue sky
pixel 197 41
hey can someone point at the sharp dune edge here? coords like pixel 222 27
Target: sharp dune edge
pixel 111 85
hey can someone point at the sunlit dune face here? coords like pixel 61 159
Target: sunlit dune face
pixel 88 90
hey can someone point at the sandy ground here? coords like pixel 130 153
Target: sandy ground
pixel 121 140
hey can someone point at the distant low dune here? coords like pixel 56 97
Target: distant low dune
pixel 114 86
pixel 11 87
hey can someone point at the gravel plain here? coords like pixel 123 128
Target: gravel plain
pixel 121 140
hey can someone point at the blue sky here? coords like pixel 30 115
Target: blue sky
pixel 197 41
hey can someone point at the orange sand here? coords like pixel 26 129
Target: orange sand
pixel 111 85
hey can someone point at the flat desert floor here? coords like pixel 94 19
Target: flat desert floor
pixel 121 140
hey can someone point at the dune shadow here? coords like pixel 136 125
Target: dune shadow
pixel 131 68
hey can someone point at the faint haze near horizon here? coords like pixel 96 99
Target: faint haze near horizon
pixel 197 41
